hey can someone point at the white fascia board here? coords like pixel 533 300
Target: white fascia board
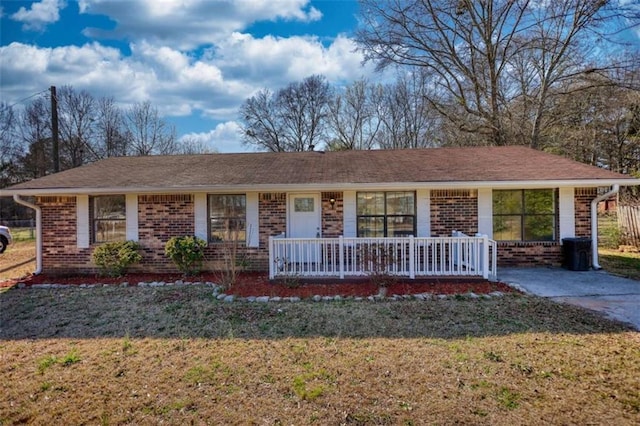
pixel 520 184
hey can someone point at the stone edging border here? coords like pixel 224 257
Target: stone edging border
pixel 218 293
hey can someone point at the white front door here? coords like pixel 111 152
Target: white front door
pixel 304 215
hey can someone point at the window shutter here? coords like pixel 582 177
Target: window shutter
pixel 423 212
pixel 349 201
pixel 131 209
pixel 200 225
pixel 485 211
pixel 253 220
pixel 566 205
pixel 82 221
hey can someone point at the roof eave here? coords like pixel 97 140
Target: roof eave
pixel 578 183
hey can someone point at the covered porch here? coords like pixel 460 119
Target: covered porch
pixel 411 257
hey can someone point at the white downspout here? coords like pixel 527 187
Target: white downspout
pixel 38 210
pixel 594 224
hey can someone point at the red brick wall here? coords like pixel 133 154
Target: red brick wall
pixel 332 215
pixel 583 198
pixel 161 217
pixel 529 253
pixel 454 210
pixel 60 252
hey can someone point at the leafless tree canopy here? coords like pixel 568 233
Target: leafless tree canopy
pixel 485 57
pixel 147 133
pixel 89 129
pixel 293 119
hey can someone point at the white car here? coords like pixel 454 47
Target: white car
pixel 5 238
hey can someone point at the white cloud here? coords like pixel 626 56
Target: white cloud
pixel 209 85
pixel 276 61
pixel 40 14
pixel 225 137
pixel 187 24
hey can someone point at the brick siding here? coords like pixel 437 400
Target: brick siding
pixel 454 210
pixel 161 217
pixel 60 252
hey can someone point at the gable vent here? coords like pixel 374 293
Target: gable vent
pixel 454 193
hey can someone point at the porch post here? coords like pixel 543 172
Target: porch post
pixel 485 257
pixel 341 249
pixel 272 272
pixel 412 260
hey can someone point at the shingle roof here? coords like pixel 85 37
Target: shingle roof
pixel 432 165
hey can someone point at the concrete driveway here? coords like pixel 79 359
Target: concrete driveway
pixel 618 298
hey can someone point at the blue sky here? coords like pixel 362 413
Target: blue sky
pixel 195 60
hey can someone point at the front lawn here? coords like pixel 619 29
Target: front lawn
pixel 623 263
pixel 176 356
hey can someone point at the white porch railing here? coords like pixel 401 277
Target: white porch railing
pixel 407 256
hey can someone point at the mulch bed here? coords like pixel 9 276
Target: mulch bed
pixel 258 284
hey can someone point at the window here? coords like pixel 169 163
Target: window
pixel 227 217
pixel 386 214
pixel 109 218
pixel 524 215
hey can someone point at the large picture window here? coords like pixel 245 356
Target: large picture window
pixel 227 217
pixel 386 214
pixel 524 215
pixel 109 218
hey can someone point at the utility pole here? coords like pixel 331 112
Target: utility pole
pixel 54 130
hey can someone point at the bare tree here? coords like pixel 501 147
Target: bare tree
pixel 35 131
pixel 599 125
pixel 294 119
pixel 8 139
pixel 262 126
pixel 148 134
pixel 354 116
pixel 407 120
pixel 192 145
pixel 110 132
pixel 76 112
pixel 472 48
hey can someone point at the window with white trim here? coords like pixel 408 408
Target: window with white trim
pixel 109 220
pixel 524 215
pixel 386 214
pixel 227 217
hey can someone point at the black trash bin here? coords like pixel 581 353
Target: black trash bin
pixel 576 254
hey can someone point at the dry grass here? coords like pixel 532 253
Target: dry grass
pixel 176 356
pixel 623 263
pixel 18 260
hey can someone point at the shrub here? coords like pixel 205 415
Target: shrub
pixel 114 258
pixel 187 253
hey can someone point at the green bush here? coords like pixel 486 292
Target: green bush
pixel 114 258
pixel 187 253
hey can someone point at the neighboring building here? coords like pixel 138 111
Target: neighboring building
pixel 525 200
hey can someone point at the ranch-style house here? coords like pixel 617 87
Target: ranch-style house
pixel 435 211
